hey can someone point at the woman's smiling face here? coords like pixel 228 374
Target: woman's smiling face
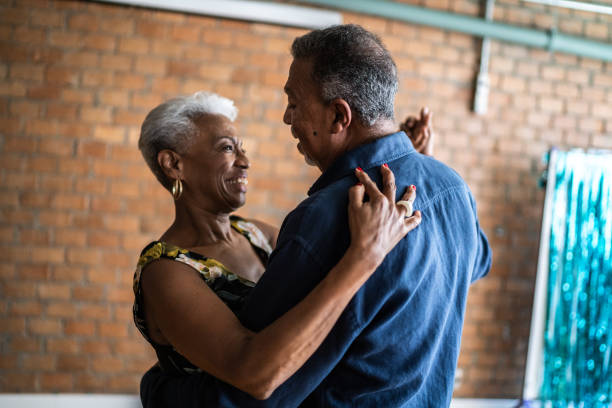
pixel 215 165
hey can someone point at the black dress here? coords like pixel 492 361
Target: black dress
pixel 230 288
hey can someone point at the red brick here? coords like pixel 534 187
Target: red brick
pixel 54 218
pixel 64 39
pixel 71 363
pixel 117 25
pixel 19 144
pixel 61 309
pixel 217 37
pixel 50 182
pixel 221 73
pixel 92 149
pixel 82 256
pixel 95 347
pixel 60 111
pixel 77 96
pixel 59 147
pixel 25 308
pixel 33 237
pixel 95 312
pixel 82 59
pixel 54 291
pixel 63 346
pixel 99 42
pixel 149 65
pixel 109 329
pixel 166 49
pixel 12 325
pixel 79 328
pixel 116 62
pixel 122 261
pixel 25 108
pixel 127 117
pixel 18 217
pixel 184 68
pixel 186 33
pixel 34 362
pixel 146 100
pixel 106 205
pixel 90 185
pixel 89 293
pixel 68 273
pixel 41 92
pixel 8 362
pixel 46 18
pixel 107 169
pixel 24 344
pixel 56 381
pixel 152 29
pixel 45 326
pixel 130 346
pixel 130 81
pixel 26 71
pixel 127 383
pixel 97 78
pixel 114 98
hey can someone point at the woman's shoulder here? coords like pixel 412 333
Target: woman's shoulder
pixel 257 231
pixel 157 250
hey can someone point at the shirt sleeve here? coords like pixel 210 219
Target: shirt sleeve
pixel 482 264
pixel 293 271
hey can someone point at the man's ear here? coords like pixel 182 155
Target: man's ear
pixel 342 115
pixel 170 163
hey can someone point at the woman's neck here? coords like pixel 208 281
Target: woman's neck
pixel 196 226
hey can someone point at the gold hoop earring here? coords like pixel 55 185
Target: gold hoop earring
pixel 177 189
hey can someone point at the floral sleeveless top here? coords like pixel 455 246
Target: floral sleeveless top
pixel 229 287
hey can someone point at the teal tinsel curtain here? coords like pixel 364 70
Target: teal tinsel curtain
pixel 578 332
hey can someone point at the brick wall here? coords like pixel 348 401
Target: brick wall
pixel 77 202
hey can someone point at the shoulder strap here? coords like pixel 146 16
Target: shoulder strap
pixel 252 232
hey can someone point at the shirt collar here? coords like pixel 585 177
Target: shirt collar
pixel 376 153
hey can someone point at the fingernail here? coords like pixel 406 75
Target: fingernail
pixel 359 184
pixel 413 187
pixel 359 169
pixel 386 165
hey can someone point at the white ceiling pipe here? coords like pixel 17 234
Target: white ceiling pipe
pixel 576 5
pixel 258 11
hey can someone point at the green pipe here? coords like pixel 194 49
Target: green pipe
pixel 551 40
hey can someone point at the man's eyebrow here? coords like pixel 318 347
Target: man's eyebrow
pixel 232 139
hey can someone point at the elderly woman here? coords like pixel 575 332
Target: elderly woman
pixel 190 283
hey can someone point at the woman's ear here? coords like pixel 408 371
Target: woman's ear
pixel 342 115
pixel 170 163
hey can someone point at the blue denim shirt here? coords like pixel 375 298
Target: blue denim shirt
pixel 397 342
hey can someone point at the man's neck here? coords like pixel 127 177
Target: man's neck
pixel 357 135
pixel 360 135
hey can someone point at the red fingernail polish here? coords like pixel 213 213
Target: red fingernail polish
pixel 359 168
pixel 359 184
pixel 386 165
pixel 413 187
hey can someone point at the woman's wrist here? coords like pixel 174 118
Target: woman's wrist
pixel 364 258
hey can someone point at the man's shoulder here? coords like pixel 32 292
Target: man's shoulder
pixel 320 216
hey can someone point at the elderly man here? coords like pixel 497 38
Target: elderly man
pixel 397 343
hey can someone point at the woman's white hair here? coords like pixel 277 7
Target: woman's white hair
pixel 171 126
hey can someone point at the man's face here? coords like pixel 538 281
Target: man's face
pixel 307 115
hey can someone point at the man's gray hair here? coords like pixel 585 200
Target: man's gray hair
pixel 171 126
pixel 351 63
